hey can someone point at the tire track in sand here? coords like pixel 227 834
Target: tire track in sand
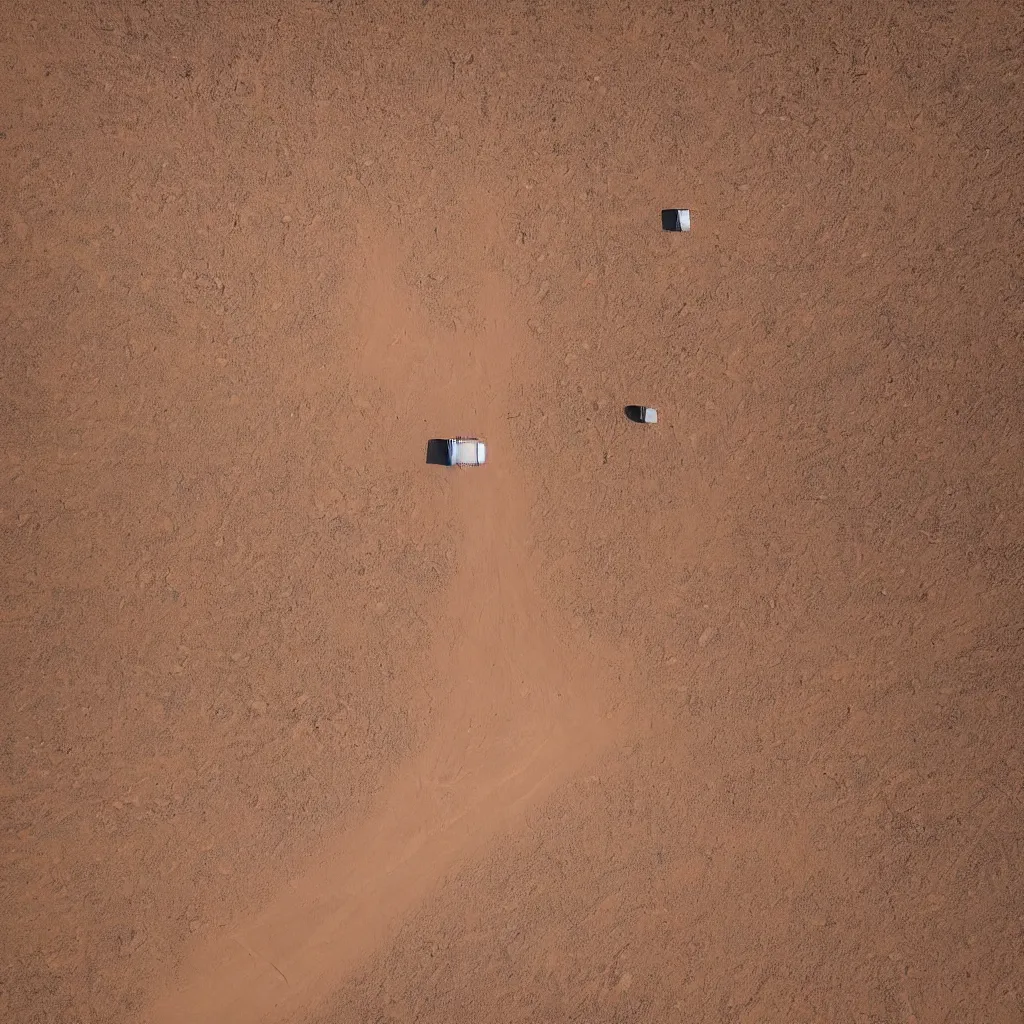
pixel 520 713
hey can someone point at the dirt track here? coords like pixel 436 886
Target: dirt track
pixel 717 720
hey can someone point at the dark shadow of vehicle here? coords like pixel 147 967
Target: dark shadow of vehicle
pixel 670 220
pixel 437 451
pixel 634 413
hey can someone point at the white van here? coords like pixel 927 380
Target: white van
pixel 466 451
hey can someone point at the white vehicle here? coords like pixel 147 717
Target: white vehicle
pixel 466 451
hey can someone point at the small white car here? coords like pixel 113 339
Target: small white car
pixel 466 451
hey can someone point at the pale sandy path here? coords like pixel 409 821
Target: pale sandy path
pixel 518 710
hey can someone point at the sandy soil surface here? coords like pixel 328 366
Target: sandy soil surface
pixel 718 720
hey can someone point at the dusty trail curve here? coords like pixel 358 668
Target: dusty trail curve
pixel 521 707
